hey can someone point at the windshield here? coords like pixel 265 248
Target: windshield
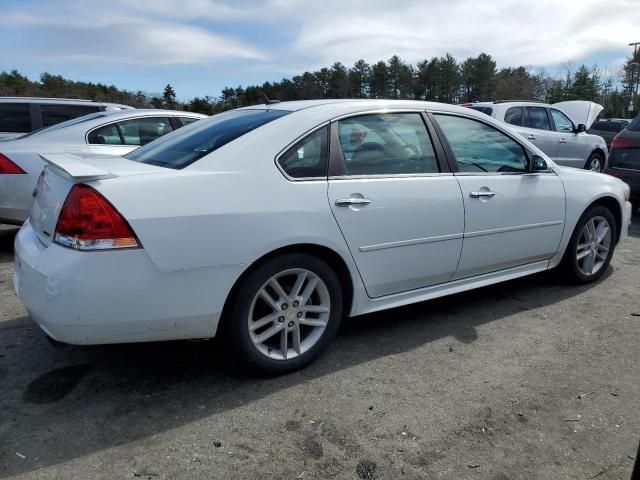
pixel 486 110
pixel 189 144
pixel 68 123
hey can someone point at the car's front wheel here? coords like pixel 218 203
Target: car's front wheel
pixel 285 313
pixel 591 246
pixel 595 163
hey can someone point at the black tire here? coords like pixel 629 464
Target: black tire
pixel 635 205
pixel 242 346
pixel 570 262
pixel 591 161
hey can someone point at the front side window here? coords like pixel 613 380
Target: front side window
pixel 561 121
pixel 478 147
pixel 308 157
pixel 538 118
pixel 107 135
pixel 15 117
pixel 53 114
pixel 185 146
pixel 386 144
pixel 514 116
pixel 141 131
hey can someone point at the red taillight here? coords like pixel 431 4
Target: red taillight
pixel 621 142
pixel 8 167
pixel 88 221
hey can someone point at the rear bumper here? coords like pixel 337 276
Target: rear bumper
pixel 115 296
pixel 630 177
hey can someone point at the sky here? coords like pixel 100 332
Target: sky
pixel 201 46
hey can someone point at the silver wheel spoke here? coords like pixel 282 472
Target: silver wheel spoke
pixel 263 321
pixel 295 291
pixel 601 232
pixel 602 248
pixel 315 309
pixel 591 230
pixel 267 334
pixel 313 322
pixel 270 301
pixel 602 257
pixel 311 286
pixel 582 254
pixel 295 336
pixel 278 288
pixel 590 263
pixel 284 338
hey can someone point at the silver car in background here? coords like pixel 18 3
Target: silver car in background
pixel 95 135
pixel 21 115
pixel 559 130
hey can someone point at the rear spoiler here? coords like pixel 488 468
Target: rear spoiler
pixel 74 168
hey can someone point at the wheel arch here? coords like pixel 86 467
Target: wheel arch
pixel 333 259
pixel 613 205
pixel 600 152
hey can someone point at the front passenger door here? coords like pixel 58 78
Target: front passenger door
pixel 512 217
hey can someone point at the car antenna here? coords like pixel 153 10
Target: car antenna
pixel 269 101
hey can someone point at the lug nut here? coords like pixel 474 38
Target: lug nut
pixel 291 324
pixel 285 306
pixel 280 319
pixel 295 304
pixel 299 314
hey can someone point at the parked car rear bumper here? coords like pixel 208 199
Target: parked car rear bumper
pixel 115 296
pixel 630 177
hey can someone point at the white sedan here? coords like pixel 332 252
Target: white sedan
pixel 269 224
pixel 93 135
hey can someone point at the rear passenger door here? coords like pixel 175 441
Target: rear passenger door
pixel 398 206
pixel 120 138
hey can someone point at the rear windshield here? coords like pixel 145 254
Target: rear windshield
pixel 487 110
pixel 634 126
pixel 189 144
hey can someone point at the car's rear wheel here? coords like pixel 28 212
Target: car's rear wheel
pixel 595 163
pixel 591 246
pixel 286 312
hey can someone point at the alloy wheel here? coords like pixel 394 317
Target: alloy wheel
pixel 593 246
pixel 596 165
pixel 289 314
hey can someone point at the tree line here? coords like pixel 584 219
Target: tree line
pixel 440 79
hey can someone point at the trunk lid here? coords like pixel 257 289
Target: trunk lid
pixel 61 172
pixel 580 111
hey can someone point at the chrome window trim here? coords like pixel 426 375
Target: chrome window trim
pixel 394 175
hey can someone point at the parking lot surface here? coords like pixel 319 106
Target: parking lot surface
pixel 530 379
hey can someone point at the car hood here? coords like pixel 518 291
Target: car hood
pixel 580 111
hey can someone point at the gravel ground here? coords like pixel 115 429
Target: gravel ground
pixel 529 379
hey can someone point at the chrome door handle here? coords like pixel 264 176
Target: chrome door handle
pixel 562 140
pixel 346 202
pixel 531 136
pixel 481 194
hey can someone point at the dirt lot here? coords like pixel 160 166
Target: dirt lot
pixel 530 379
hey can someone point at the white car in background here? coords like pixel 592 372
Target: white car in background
pixel 93 135
pixel 559 130
pixel 267 224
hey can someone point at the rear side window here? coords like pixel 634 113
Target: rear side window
pixel 15 117
pixel 480 148
pixel 485 110
pixel 538 118
pixel 187 120
pixel 514 116
pixel 107 135
pixel 308 157
pixel 53 114
pixel 183 147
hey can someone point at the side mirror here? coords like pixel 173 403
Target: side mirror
pixel 581 128
pixel 539 164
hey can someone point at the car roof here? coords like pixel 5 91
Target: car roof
pixel 150 112
pixel 62 101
